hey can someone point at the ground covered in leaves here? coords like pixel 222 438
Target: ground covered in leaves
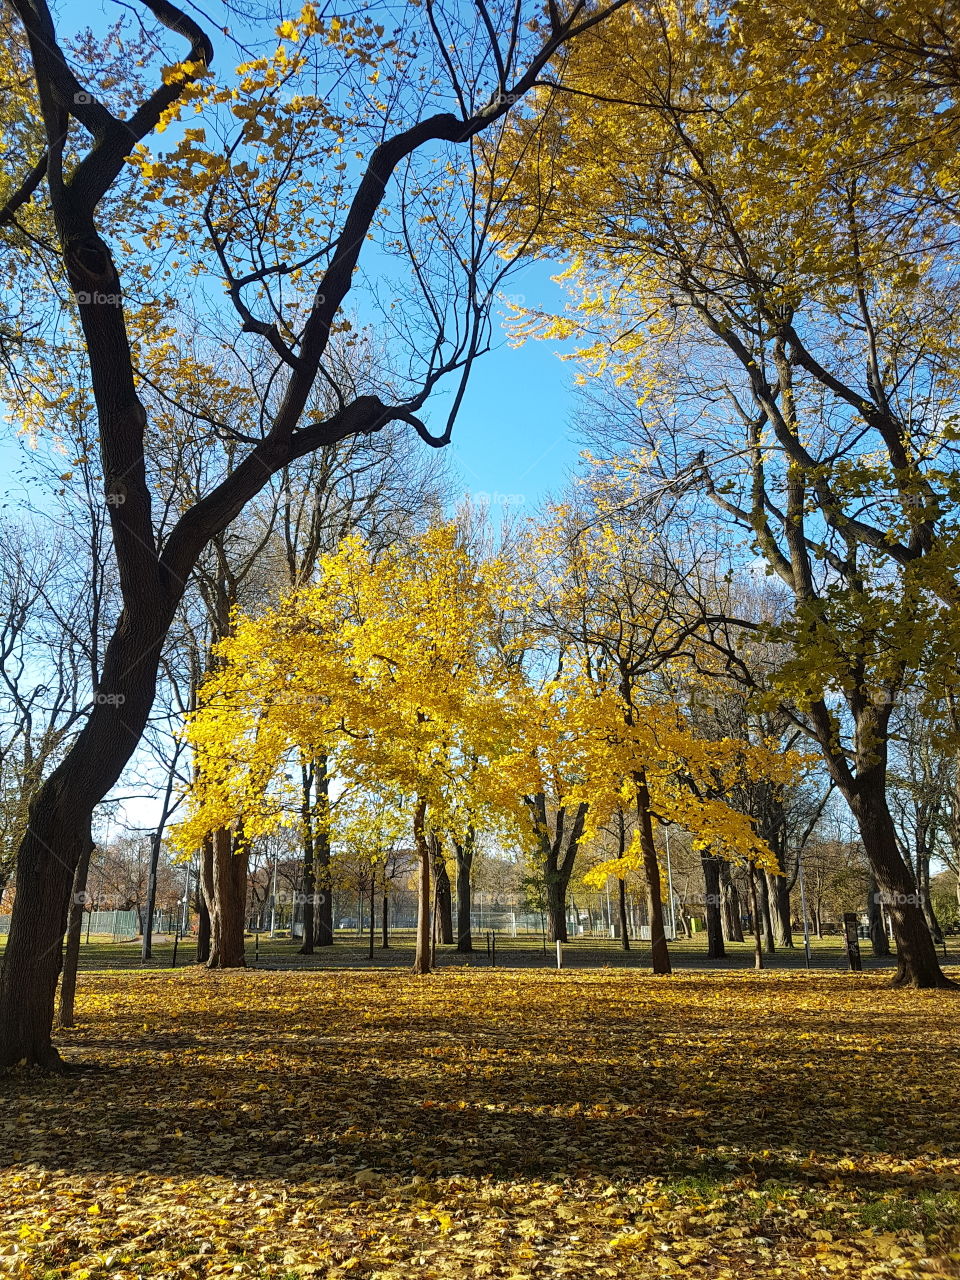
pixel 489 1123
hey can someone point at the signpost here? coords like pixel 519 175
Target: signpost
pixel 851 933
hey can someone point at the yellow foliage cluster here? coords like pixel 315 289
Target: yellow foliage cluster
pixel 411 667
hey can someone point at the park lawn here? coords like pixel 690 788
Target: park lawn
pixel 523 951
pixel 489 1123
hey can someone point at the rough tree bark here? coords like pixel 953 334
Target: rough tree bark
pixel 755 913
pixel 71 959
pixel 464 855
pixel 225 891
pixel 762 891
pixel 779 893
pixel 659 951
pixel 203 915
pixel 917 963
pixel 730 904
pixel 712 905
pixel 323 914
pixel 444 893
pixel 423 960
pixel 879 942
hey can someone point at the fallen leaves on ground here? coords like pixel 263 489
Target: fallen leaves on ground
pixel 489 1123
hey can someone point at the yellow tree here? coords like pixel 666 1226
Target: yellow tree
pixel 755 214
pixel 368 829
pixel 387 662
pixel 604 731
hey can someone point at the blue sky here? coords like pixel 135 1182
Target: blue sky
pixel 514 433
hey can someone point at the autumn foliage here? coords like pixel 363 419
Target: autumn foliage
pixel 489 1124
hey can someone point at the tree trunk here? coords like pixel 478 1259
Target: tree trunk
pixel 373 912
pixel 444 895
pixel 917 963
pixel 71 959
pixel 761 892
pixel 203 914
pixel 46 864
pixel 558 853
pixel 621 883
pixel 622 912
pixel 225 890
pixel 926 903
pixel 422 960
pixel 733 929
pixel 683 918
pixel 464 855
pixel 755 913
pixel 659 951
pixel 385 922
pixel 556 894
pixel 875 925
pixel 59 824
pixel 309 877
pixel 779 892
pixel 323 915
pixel 712 903
pixel 146 951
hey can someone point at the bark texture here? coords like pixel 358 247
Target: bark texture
pixel 659 951
pixel 71 958
pixel 225 892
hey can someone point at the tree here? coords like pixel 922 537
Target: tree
pixel 623 616
pixel 287 277
pixel 787 335
pixel 44 672
pixel 367 485
pixel 464 850
pixel 335 670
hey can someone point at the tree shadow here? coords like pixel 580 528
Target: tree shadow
pixel 770 1092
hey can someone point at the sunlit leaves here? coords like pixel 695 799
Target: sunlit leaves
pixel 488 1123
